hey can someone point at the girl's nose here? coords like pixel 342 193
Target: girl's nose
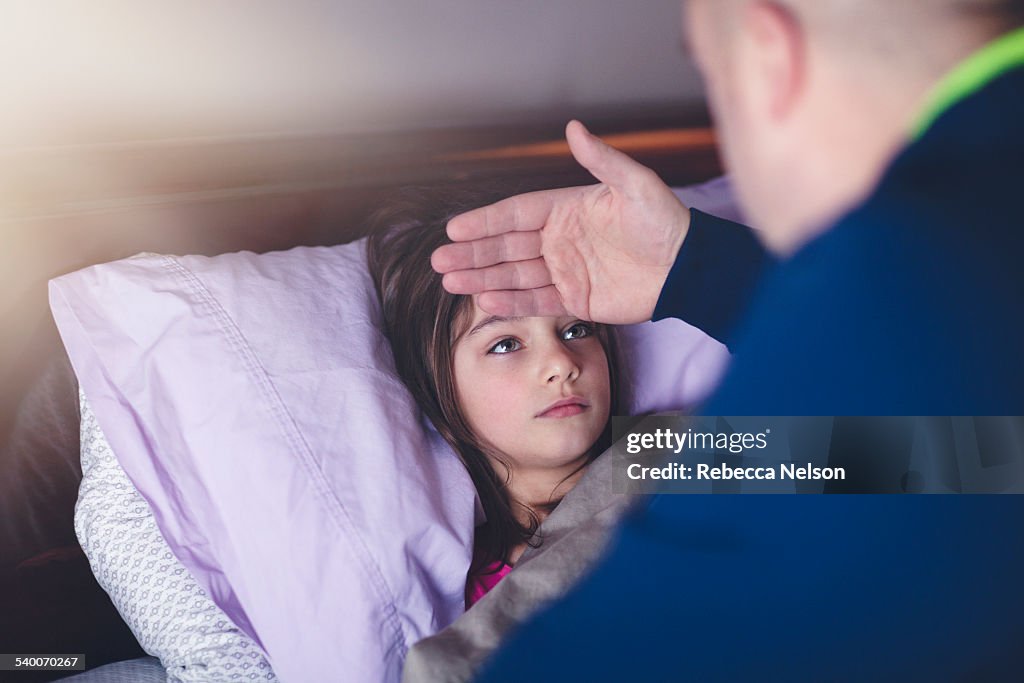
pixel 560 365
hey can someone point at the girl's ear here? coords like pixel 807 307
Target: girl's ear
pixel 776 49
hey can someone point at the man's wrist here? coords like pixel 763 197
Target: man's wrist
pixel 679 235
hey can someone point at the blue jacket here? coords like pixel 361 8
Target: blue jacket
pixel 910 305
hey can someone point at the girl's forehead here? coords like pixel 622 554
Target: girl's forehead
pixel 478 315
pixel 485 319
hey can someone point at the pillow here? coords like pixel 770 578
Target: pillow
pixel 715 197
pixel 253 403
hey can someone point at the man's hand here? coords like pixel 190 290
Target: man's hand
pixel 600 252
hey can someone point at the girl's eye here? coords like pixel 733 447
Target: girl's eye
pixel 505 346
pixel 578 331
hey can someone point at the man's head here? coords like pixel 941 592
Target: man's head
pixel 813 97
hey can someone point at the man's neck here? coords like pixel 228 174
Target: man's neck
pixel 860 121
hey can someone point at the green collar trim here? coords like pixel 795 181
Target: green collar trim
pixel 971 75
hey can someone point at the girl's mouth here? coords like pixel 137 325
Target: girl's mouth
pixel 565 408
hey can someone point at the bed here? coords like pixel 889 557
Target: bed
pixel 311 192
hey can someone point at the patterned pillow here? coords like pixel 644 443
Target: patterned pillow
pixel 163 605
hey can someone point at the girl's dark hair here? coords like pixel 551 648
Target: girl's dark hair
pixel 423 321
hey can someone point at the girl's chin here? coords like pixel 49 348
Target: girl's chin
pixel 556 445
pixel 568 454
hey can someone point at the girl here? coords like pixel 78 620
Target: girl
pixel 524 402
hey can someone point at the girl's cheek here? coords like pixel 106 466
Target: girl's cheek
pixel 503 365
pixel 597 357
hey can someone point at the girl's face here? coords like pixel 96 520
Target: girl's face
pixel 535 389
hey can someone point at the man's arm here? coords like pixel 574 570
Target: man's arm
pixel 714 276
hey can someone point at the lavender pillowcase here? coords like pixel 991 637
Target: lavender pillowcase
pixel 252 400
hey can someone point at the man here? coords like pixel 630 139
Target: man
pixel 879 146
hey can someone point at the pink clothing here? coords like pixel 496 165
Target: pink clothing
pixel 478 586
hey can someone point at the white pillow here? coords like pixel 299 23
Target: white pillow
pixel 165 608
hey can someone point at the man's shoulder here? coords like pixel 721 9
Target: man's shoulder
pixel 902 308
pixel 909 304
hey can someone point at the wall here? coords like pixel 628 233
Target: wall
pixel 114 70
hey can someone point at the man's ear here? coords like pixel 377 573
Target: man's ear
pixel 778 51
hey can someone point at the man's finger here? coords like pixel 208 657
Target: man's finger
pixel 528 211
pixel 481 253
pixel 515 275
pixel 543 301
pixel 607 164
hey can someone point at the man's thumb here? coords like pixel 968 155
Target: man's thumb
pixel 607 164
